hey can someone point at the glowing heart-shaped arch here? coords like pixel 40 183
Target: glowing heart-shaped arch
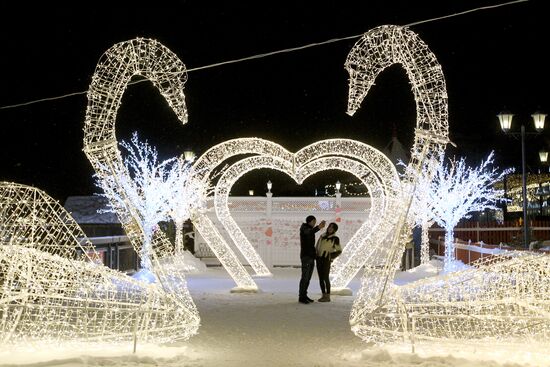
pixel 384 182
pixel 299 174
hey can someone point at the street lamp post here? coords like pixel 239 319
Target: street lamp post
pixel 543 155
pixel 505 119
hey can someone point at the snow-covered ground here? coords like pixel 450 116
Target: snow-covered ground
pixel 271 328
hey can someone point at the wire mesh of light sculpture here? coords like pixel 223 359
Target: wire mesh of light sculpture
pixel 163 68
pixel 467 306
pixel 377 50
pixel 502 299
pixel 115 69
pixel 49 293
pixel 31 218
pixel 457 190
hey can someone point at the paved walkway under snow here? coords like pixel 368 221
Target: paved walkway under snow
pixel 270 328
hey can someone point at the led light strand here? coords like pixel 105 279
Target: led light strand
pixel 53 292
pixel 503 298
pixel 377 50
pixel 113 72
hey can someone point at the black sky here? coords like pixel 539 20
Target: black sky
pixel 492 59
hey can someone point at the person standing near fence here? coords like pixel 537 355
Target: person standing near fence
pixel 327 248
pixel 307 254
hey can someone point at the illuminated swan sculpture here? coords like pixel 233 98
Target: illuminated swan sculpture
pixel 503 299
pixel 114 71
pixel 51 291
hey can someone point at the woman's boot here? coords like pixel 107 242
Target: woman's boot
pixel 325 298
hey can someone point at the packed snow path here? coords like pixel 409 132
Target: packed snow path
pixel 270 328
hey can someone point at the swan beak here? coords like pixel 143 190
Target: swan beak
pixel 358 89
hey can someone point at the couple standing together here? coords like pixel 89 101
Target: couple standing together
pixel 327 248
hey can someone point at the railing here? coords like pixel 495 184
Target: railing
pixel 468 252
pixel 496 233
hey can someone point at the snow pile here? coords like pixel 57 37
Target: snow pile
pixel 185 262
pixel 429 269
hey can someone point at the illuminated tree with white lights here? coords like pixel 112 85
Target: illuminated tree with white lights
pixel 188 195
pixel 457 190
pixel 148 187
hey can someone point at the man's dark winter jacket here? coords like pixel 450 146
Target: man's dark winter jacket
pixel 307 240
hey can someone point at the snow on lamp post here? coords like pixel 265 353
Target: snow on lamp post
pixel 505 118
pixel 269 196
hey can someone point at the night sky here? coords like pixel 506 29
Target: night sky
pixel 492 59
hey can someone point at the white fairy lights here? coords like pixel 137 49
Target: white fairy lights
pixel 502 299
pixel 114 71
pixel 384 182
pixel 148 186
pixel 51 293
pixel 457 190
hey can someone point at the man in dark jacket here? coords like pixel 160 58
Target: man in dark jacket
pixel 307 254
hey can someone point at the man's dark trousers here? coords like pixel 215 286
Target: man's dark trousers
pixel 308 263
